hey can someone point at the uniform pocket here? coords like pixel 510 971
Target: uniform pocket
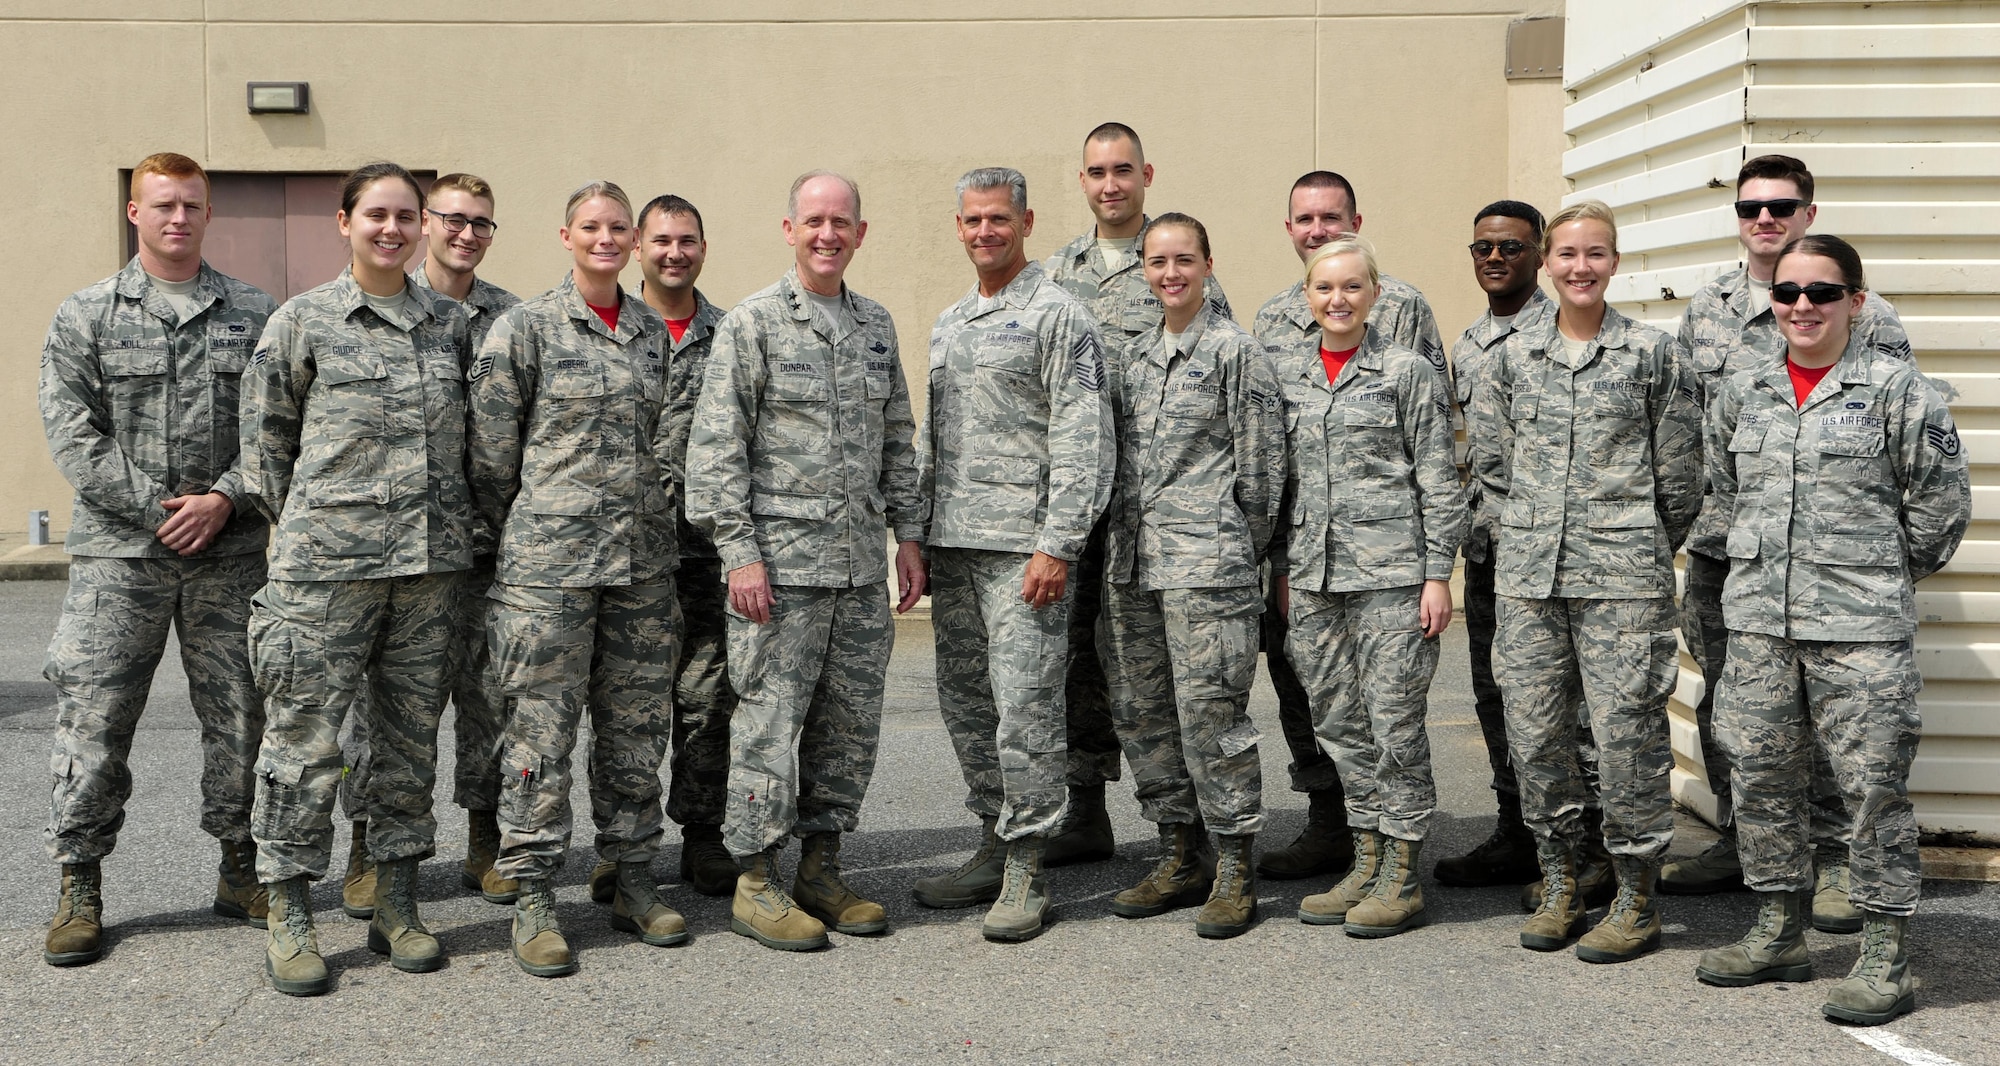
pixel 351 402
pixel 349 518
pixel 1743 544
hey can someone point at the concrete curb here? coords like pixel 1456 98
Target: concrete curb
pixel 1961 864
pixel 34 562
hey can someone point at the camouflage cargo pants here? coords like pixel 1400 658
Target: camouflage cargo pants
pixel 1708 641
pixel 1092 735
pixel 1000 686
pixel 1369 669
pixel 703 697
pixel 107 643
pixel 320 649
pixel 1311 768
pixel 559 652
pixel 1857 700
pixel 1181 663
pixel 477 707
pixel 808 713
pixel 1619 659
pixel 1487 705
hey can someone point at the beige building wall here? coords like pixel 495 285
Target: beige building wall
pixel 725 101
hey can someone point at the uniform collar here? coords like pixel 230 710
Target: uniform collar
pixel 630 311
pixel 135 284
pixel 1017 292
pixel 1856 367
pixel 1077 252
pixel 1190 337
pixel 802 305
pixel 1312 370
pixel 484 295
pixel 1488 331
pixel 1545 336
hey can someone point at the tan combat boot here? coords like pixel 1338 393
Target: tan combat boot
pixel 1331 906
pixel 818 887
pixel 1180 879
pixel 396 930
pixel 76 933
pixel 291 951
pixel 357 889
pixel 1596 881
pixel 1833 909
pixel 1022 909
pixel 539 947
pixel 238 893
pixel 706 865
pixel 604 881
pixel 1879 988
pixel 636 908
pixel 482 850
pixel 1773 950
pixel 763 912
pixel 1232 906
pixel 1633 927
pixel 1396 903
pixel 1559 917
pixel 975 882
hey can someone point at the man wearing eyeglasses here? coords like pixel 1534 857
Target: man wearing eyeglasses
pixel 1506 256
pixel 458 230
pixel 1728 322
pixel 1321 207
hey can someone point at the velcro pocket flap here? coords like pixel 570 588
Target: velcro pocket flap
pixel 578 384
pixel 343 369
pixel 1749 437
pixel 1851 444
pixel 1379 506
pixel 1743 544
pixel 1853 549
pixel 1006 470
pixel 133 362
pixel 347 493
pixel 788 505
pixel 1621 514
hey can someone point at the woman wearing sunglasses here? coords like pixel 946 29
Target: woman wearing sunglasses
pixel 1845 482
pixel 1586 434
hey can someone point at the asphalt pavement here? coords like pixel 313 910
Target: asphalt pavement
pixel 177 983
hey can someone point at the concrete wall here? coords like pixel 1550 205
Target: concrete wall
pixel 725 101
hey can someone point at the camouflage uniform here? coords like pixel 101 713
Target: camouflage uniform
pixel 1838 508
pixel 354 443
pixel 563 455
pixel 1592 463
pixel 703 698
pixel 1470 358
pixel 1722 332
pixel 1376 511
pixel 476 729
pixel 1013 462
pixel 1126 310
pixel 1286 326
pixel 1200 480
pixel 139 407
pixel 801 459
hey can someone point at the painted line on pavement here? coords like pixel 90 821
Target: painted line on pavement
pixel 1893 1046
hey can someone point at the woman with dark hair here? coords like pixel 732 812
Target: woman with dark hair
pixel 1845 483
pixel 353 423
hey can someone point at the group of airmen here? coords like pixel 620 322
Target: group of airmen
pixel 407 487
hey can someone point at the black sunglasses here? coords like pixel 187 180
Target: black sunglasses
pixel 1786 293
pixel 1747 209
pixel 1510 250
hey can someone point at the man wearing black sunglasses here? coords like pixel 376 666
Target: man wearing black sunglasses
pixel 1728 321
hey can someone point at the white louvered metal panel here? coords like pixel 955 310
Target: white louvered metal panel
pixel 1893 105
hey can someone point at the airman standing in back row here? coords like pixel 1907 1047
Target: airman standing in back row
pixel 140 376
pixel 1320 207
pixel 1102 269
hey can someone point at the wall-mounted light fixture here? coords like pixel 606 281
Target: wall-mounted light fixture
pixel 280 97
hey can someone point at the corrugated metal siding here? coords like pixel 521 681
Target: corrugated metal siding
pixel 1893 105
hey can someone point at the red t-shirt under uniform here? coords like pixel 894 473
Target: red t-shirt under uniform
pixel 1335 361
pixel 608 314
pixel 1804 379
pixel 678 327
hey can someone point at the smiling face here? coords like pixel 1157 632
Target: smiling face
pixel 1114 180
pixel 1581 262
pixel 1764 236
pixel 599 236
pixel 384 227
pixel 1340 296
pixel 671 251
pixel 1175 269
pixel 994 233
pixel 1317 216
pixel 458 252
pixel 1497 274
pixel 1816 333
pixel 171 215
pixel 825 234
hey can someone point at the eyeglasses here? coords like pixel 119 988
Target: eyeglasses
pixel 1786 293
pixel 1748 209
pixel 482 228
pixel 1509 250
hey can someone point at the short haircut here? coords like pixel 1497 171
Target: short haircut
pixel 981 179
pixel 1106 132
pixel 469 184
pixel 1778 168
pixel 1513 209
pixel 1592 210
pixel 168 165
pixel 1323 179
pixel 669 204
pixel 1828 246
pixel 360 178
pixel 1346 244
pixel 608 190
pixel 792 201
pixel 1175 218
